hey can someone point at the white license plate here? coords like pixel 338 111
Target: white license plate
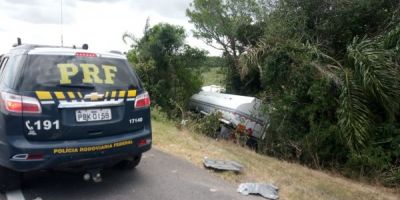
pixel 91 115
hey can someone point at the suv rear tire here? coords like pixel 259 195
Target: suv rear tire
pixel 131 163
pixel 9 179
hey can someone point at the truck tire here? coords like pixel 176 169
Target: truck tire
pixel 9 179
pixel 252 143
pixel 131 163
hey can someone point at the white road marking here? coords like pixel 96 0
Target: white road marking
pixel 15 195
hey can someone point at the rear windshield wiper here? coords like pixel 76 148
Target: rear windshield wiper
pixel 77 86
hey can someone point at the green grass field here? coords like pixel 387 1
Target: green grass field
pixel 213 76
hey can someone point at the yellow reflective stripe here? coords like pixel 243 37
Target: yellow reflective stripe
pixel 122 94
pixel 80 95
pixel 131 93
pixel 106 95
pixel 113 94
pixel 59 95
pixel 71 95
pixel 44 95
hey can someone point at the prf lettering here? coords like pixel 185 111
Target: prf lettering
pixel 90 73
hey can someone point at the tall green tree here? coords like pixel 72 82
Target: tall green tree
pixel 167 66
pixel 230 26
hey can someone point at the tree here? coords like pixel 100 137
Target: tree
pixel 221 24
pixel 165 65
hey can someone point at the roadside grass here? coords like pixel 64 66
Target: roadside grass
pixel 294 181
pixel 213 76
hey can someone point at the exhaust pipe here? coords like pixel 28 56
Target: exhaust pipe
pixel 94 175
pixel 86 177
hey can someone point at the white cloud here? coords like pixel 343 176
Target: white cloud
pixel 99 23
pixel 38 11
pixel 166 8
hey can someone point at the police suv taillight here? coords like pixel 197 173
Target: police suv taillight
pixel 142 100
pixel 20 104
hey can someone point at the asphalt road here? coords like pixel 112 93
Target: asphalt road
pixel 159 176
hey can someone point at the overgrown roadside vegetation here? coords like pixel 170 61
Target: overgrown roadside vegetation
pixel 295 181
pixel 328 72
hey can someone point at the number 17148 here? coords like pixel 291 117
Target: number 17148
pixel 136 120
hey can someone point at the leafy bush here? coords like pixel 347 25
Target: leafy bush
pixel 207 124
pixel 157 114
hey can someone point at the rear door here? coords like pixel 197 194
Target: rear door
pixel 82 95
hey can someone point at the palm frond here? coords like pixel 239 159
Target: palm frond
pixel 329 71
pixel 375 68
pixel 327 66
pixel 320 55
pixel 253 58
pixel 129 36
pixel 392 39
pixel 354 115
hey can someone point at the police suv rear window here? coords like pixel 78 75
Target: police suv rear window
pixel 49 72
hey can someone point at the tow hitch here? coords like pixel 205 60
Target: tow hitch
pixel 94 175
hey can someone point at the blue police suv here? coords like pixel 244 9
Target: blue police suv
pixel 69 109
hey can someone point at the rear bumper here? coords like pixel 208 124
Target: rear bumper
pixel 75 154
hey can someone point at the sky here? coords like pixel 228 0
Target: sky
pixel 99 23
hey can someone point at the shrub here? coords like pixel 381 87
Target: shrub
pixel 207 124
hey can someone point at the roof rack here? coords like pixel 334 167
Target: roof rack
pixel 28 47
pixel 18 42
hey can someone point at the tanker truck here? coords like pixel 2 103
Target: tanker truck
pixel 239 113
